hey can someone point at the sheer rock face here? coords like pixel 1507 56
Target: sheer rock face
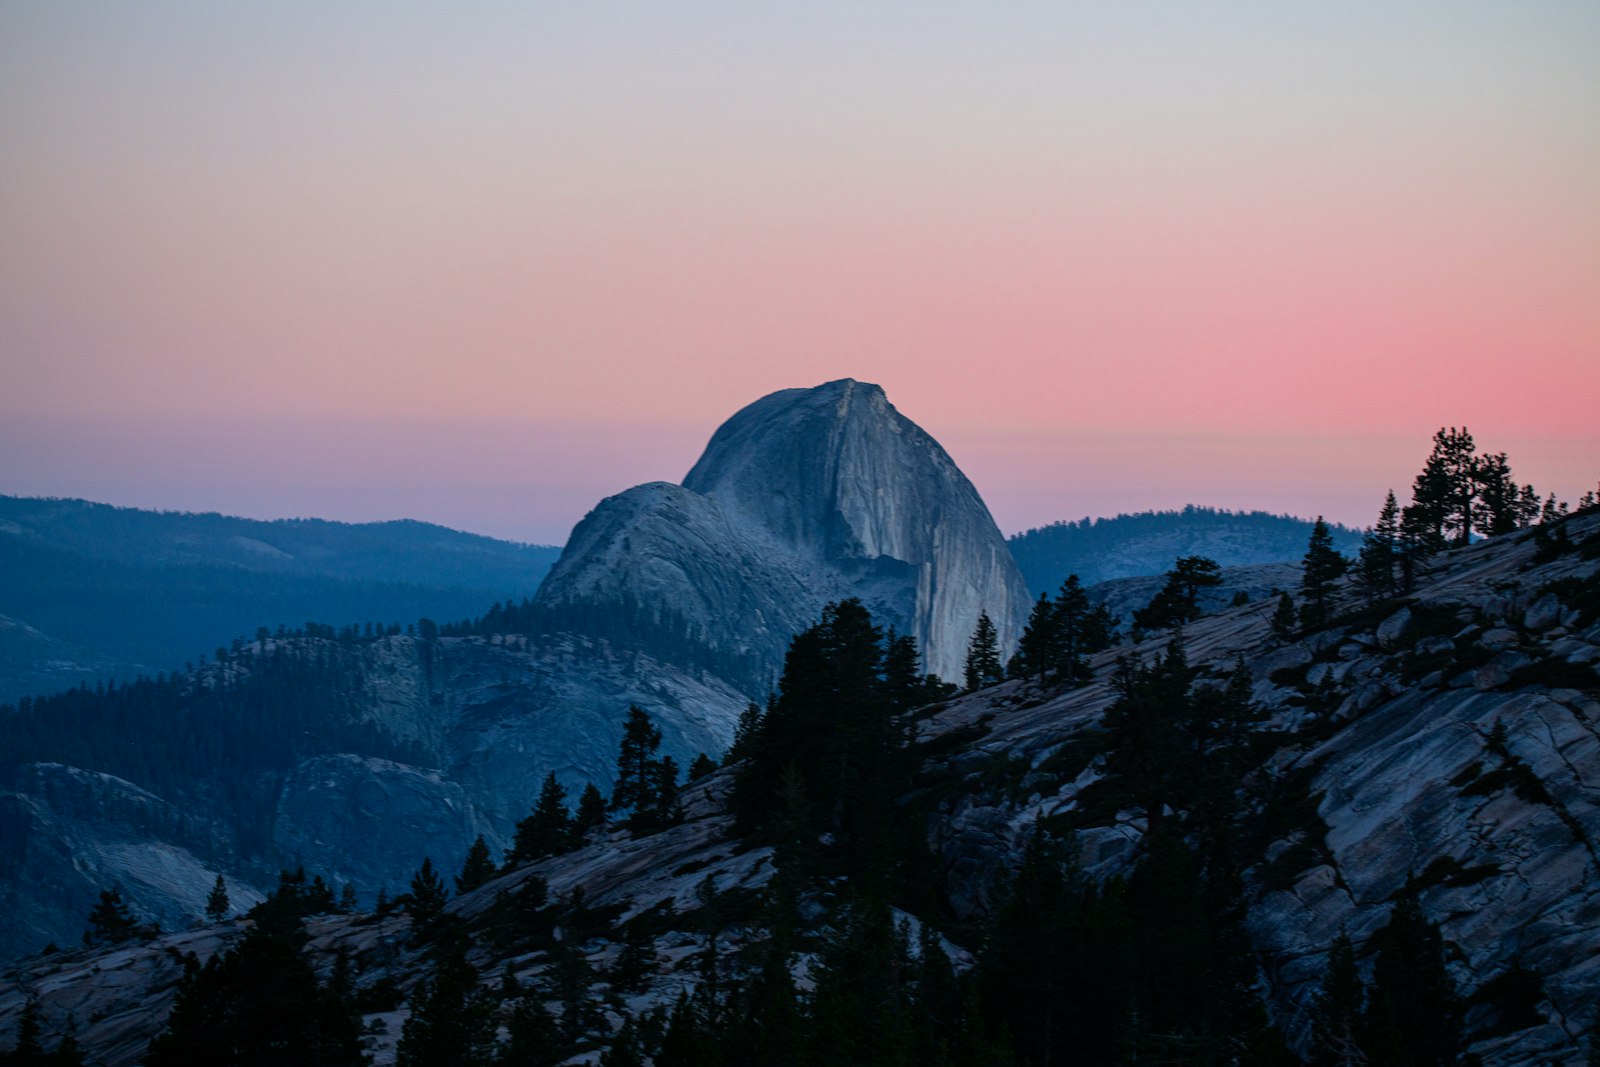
pixel 805 496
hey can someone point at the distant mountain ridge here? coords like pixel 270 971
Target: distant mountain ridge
pixel 90 590
pixel 1149 542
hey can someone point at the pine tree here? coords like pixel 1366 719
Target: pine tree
pixel 547 831
pixel 1418 541
pixel 664 809
pixel 217 903
pixel 1099 629
pixel 1499 494
pixel 1337 1013
pixel 1039 646
pixel 635 961
pixel 257 1004
pixel 765 1024
pixel 67 1053
pixel 834 724
pixel 624 1050
pixel 1413 1015
pixel 635 787
pixel 904 685
pixel 1078 630
pixel 1380 552
pixel 1285 618
pixel 341 981
pixel 1321 567
pixel 110 921
pixel 749 722
pixel 1447 487
pixel 692 1037
pixel 591 811
pixel 983 655
pixel 1149 753
pixel 701 766
pixel 428 895
pixel 510 988
pixel 531 1037
pixel 1178 600
pixel 1527 506
pixel 569 979
pixel 452 1021
pixel 938 997
pixel 477 869
pixel 29 1050
pixel 1025 969
pixel 1431 496
pixel 318 897
pixel 859 1005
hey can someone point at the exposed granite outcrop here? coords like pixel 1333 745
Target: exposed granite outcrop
pixel 805 496
pixel 66 834
pixel 493 715
pixel 1486 792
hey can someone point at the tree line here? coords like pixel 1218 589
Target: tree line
pixel 1459 494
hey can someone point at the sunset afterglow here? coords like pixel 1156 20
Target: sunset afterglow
pixel 485 265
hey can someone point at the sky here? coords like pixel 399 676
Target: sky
pixel 484 264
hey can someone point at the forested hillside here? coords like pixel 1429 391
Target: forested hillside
pixel 89 591
pixel 1149 542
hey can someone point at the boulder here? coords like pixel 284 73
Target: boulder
pixel 1287 658
pixel 1499 637
pixel 1364 698
pixel 1543 614
pixel 1392 630
pixel 1432 646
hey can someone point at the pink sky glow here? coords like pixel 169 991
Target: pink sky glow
pixel 484 268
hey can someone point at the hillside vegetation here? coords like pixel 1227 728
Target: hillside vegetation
pixel 1149 542
pixel 89 591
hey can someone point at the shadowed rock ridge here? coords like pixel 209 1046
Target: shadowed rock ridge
pixel 805 496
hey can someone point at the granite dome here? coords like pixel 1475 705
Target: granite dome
pixel 802 497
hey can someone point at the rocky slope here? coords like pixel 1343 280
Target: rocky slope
pixel 1455 741
pixel 1452 741
pixel 805 496
pixel 1258 582
pixel 65 833
pixel 493 717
